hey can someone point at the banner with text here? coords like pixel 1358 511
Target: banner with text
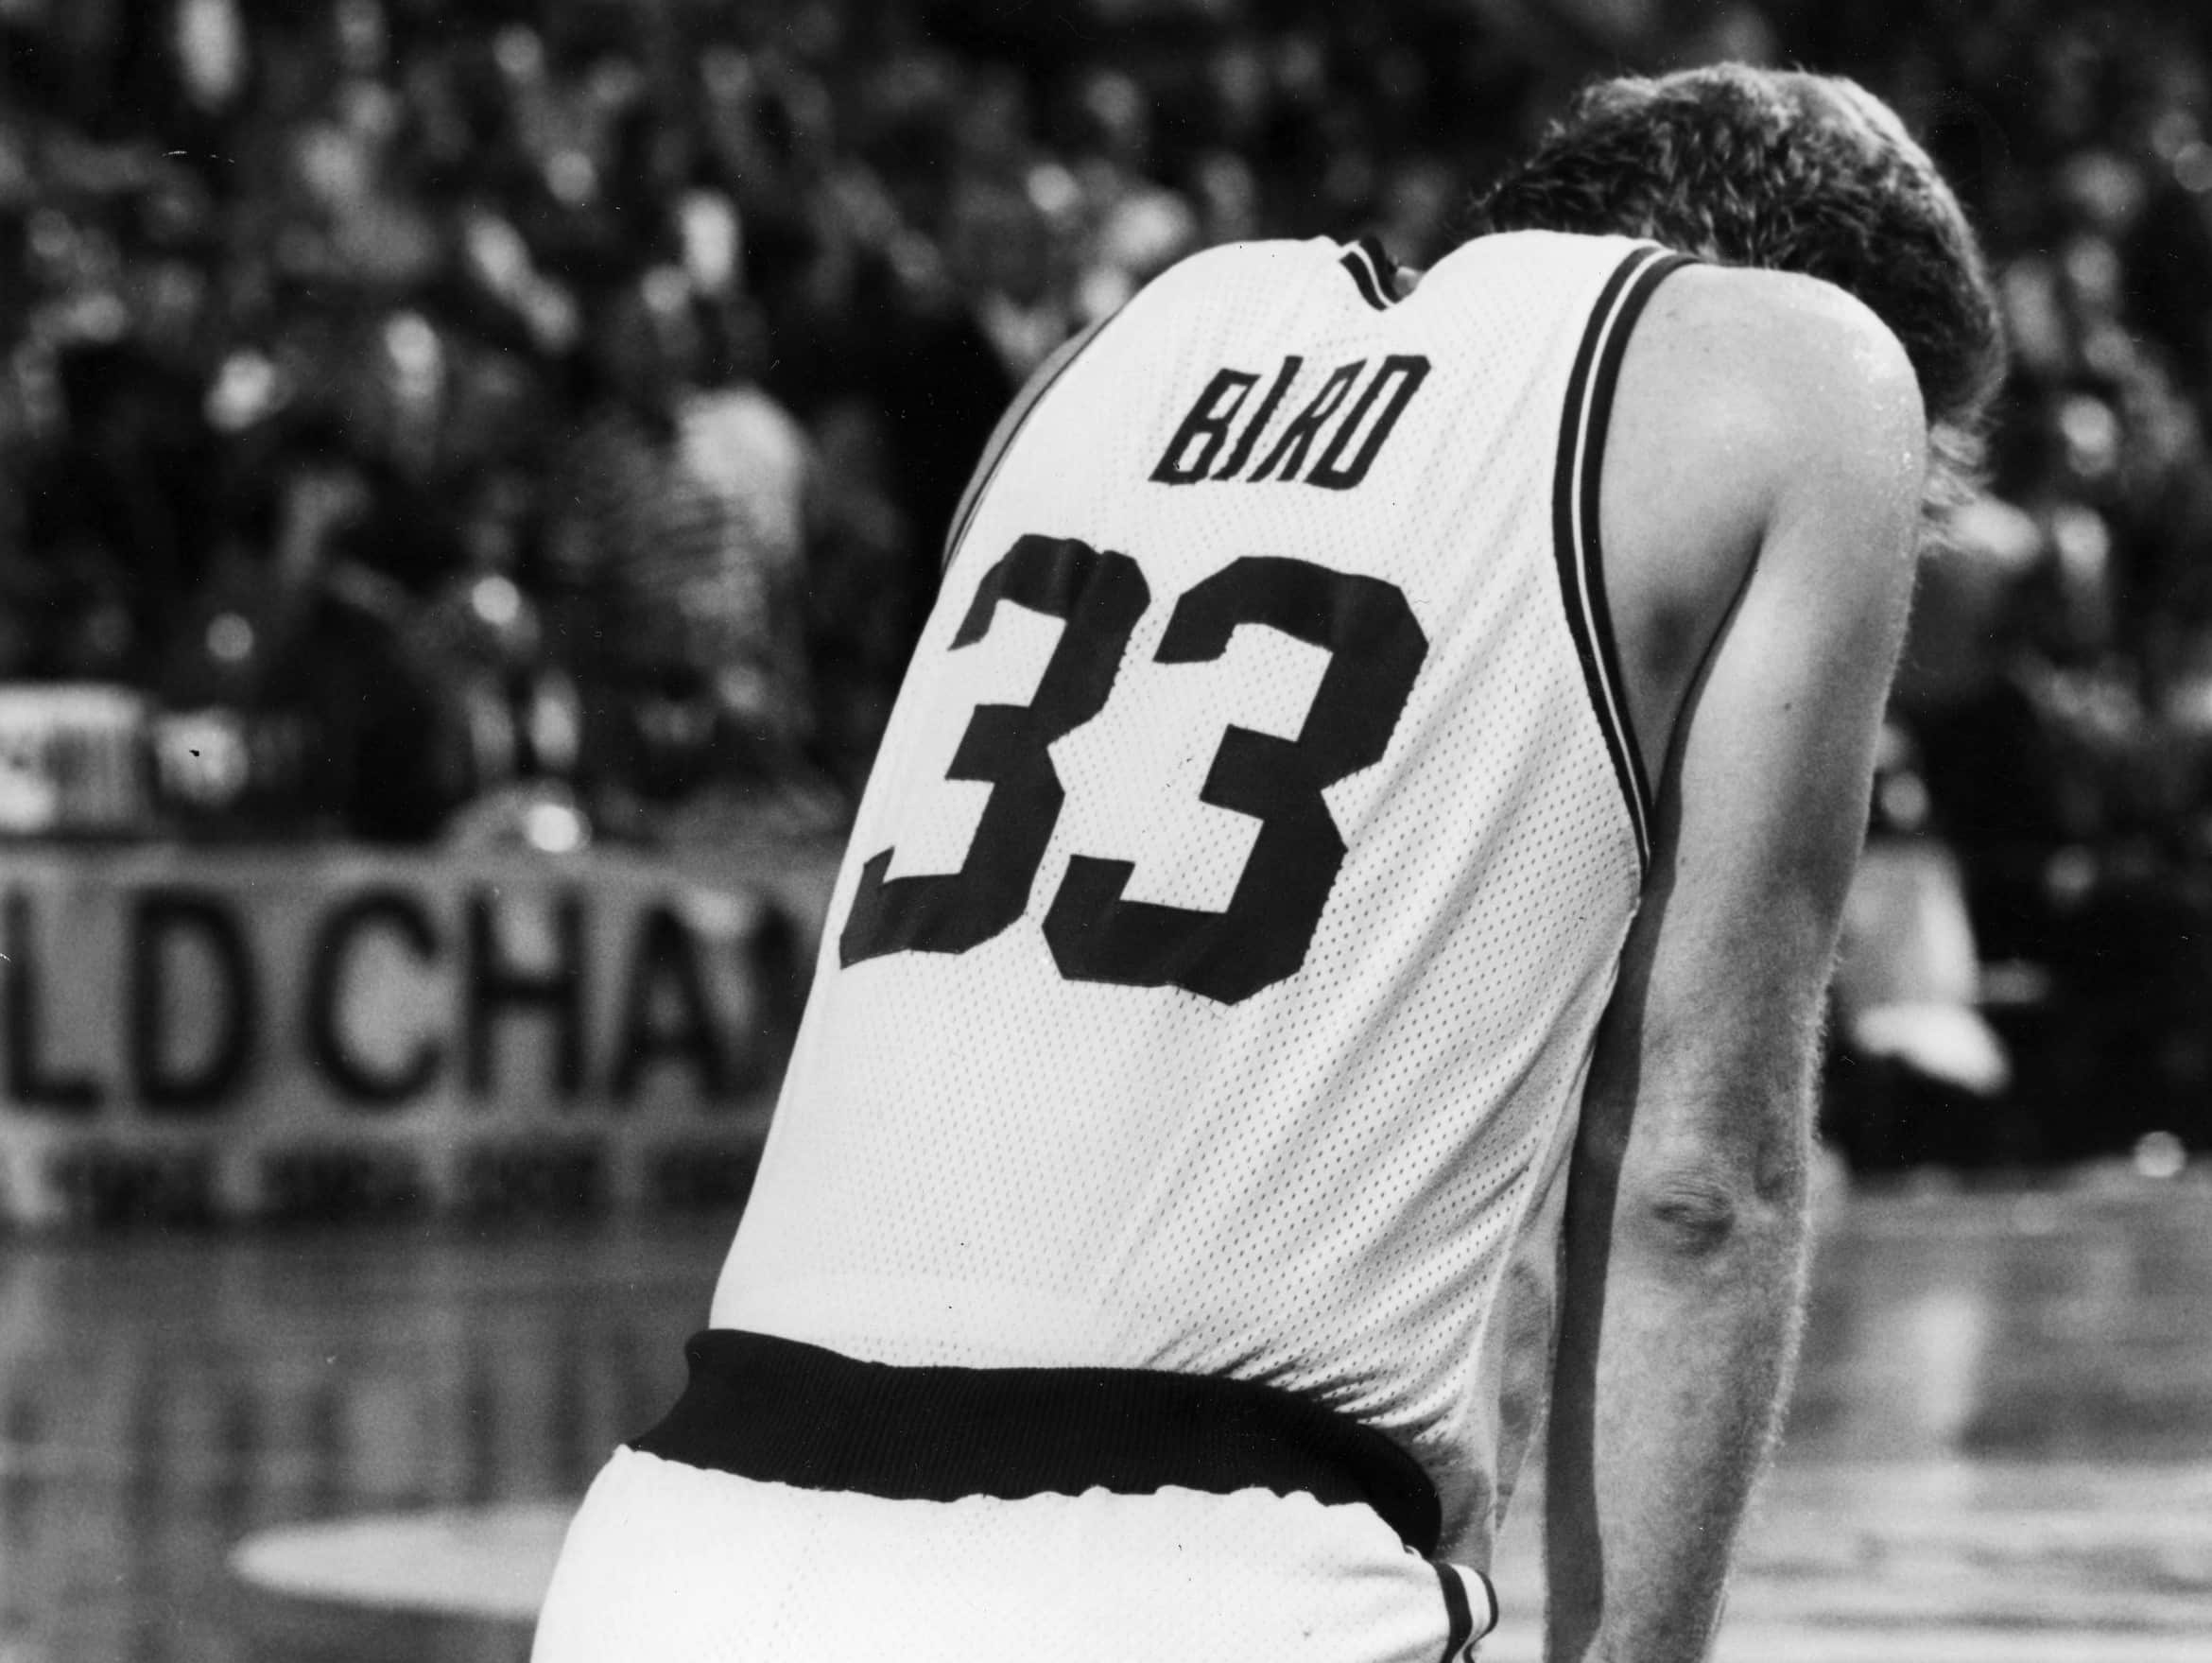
pixel 189 1034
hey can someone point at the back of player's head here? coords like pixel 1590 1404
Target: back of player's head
pixel 1793 172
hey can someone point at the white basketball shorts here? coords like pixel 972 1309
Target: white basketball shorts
pixel 683 1563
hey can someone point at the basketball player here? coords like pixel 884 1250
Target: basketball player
pixel 1329 957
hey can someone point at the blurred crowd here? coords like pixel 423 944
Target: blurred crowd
pixel 417 403
pixel 2052 725
pixel 417 408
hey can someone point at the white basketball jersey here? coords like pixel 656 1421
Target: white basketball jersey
pixel 1214 970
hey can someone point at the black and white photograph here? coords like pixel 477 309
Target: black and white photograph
pixel 1105 831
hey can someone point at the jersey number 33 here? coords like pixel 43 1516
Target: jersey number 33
pixel 1375 648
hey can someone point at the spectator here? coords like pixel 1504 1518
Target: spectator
pixel 677 555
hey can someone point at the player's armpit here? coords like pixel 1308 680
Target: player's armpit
pixel 1685 1236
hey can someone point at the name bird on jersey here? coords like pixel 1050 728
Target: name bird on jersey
pixel 1213 973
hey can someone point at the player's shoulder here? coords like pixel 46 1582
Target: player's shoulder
pixel 1786 323
pixel 1260 255
pixel 1263 266
pixel 1762 420
pixel 1786 373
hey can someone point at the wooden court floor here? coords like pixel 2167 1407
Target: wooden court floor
pixel 2000 1445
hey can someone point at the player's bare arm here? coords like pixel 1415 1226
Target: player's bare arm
pixel 1759 510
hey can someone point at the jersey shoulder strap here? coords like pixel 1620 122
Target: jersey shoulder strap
pixel 1575 545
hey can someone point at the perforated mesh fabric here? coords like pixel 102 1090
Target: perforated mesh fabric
pixel 979 1160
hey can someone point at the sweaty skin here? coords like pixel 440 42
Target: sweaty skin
pixel 1759 512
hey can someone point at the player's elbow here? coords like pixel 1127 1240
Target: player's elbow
pixel 1696 1217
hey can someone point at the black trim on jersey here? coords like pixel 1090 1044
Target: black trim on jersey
pixel 1460 1630
pixel 1362 279
pixel 1490 1593
pixel 1459 1619
pixel 1386 268
pixel 1574 498
pixel 782 1411
pixel 1371 272
pixel 1010 423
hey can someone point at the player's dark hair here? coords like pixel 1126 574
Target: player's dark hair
pixel 1791 172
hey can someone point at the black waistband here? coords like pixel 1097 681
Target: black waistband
pixel 786 1412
